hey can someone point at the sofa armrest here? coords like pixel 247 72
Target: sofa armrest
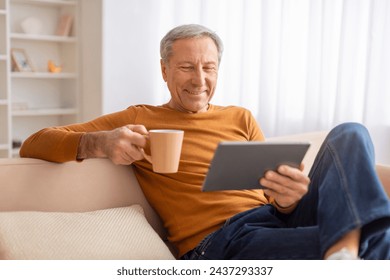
pixel 384 174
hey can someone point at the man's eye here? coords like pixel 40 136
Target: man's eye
pixel 187 68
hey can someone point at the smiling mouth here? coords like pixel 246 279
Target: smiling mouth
pixel 195 92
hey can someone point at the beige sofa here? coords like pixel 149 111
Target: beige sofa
pixel 88 210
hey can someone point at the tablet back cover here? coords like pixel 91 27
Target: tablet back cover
pixel 240 165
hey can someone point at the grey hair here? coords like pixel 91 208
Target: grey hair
pixel 185 32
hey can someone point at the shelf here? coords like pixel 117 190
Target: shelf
pixel 3 57
pixel 44 112
pixel 3 12
pixel 43 75
pixel 3 102
pixel 46 2
pixel 47 38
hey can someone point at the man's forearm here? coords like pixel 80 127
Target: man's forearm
pixel 121 145
pixel 91 146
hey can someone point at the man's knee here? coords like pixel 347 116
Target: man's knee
pixel 350 138
pixel 351 128
pixel 351 133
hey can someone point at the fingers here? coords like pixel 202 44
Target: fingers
pixel 294 174
pixel 284 177
pixel 138 128
pixel 123 144
pixel 287 185
pixel 136 134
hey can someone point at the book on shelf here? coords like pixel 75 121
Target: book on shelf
pixel 64 25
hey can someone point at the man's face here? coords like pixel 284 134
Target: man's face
pixel 191 74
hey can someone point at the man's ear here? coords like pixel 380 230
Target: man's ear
pixel 163 70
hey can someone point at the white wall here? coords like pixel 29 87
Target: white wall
pixel 128 53
pixel 119 58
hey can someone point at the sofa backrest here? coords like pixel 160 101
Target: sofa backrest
pixel 316 139
pixel 37 185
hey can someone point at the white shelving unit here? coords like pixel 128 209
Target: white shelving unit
pixel 52 38
pixel 30 101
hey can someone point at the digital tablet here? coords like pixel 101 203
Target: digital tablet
pixel 240 165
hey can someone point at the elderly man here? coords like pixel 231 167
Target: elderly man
pixel 340 211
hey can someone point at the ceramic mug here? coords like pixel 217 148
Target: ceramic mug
pixel 165 148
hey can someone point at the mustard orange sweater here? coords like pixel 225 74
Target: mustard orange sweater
pixel 188 213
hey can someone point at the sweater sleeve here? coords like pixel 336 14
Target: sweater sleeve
pixel 255 132
pixel 53 144
pixel 60 144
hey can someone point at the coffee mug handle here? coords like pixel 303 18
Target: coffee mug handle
pixel 147 157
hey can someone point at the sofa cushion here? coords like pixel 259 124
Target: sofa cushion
pixel 117 233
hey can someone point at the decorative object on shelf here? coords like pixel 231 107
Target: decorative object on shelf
pixel 20 61
pixel 31 25
pixel 53 68
pixel 16 143
pixel 64 25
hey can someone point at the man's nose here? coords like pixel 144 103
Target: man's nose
pixel 199 77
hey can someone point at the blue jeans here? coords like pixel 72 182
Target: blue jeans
pixel 344 194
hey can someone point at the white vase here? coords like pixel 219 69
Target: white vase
pixel 31 25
